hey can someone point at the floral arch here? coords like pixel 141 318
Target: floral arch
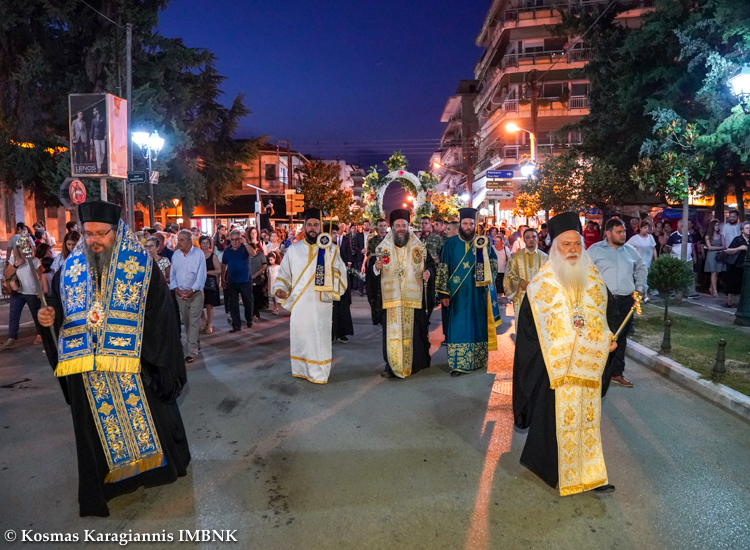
pixel 421 187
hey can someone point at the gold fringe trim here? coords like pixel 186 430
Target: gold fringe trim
pixel 134 468
pixel 575 381
pixel 491 332
pixel 328 288
pixel 309 379
pixel 75 366
pixel 484 283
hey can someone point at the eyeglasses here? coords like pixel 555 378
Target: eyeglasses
pixel 88 235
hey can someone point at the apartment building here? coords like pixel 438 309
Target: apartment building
pixel 526 76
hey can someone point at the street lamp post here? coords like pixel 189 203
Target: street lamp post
pixel 740 84
pixel 532 137
pixel 150 146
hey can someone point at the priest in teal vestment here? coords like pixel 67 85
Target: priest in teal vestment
pixel 464 283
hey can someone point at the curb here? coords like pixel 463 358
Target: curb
pixel 718 394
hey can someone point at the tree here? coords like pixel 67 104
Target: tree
pixel 321 186
pixel 527 206
pixel 445 206
pixel 632 72
pixel 668 274
pixel 574 181
pixel 51 49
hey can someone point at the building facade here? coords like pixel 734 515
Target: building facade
pixel 525 77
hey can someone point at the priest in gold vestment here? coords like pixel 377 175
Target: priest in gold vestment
pixel 522 267
pixel 399 290
pixel 563 342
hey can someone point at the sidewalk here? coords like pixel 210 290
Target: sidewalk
pixel 706 308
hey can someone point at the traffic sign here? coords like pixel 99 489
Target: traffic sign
pixel 153 177
pixel 499 195
pixel 72 192
pixel 136 177
pixel 499 184
pixel 499 174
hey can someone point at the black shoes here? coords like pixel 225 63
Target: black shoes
pixel 605 489
pixel 455 373
pixel 344 339
pixel 234 330
pixel 189 359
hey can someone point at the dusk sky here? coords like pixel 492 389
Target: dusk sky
pixel 352 79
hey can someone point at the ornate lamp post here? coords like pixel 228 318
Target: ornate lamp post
pixel 740 84
pixel 150 146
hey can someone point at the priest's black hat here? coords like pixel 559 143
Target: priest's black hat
pixel 99 211
pixel 464 213
pixel 568 221
pixel 314 214
pixel 399 214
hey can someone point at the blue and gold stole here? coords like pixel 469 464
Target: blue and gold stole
pixel 477 259
pixel 100 339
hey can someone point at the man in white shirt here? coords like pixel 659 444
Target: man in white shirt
pixel 187 278
pixel 26 295
pixel 732 228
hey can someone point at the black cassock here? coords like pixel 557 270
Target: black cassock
pixel 163 375
pixel 342 313
pixel 421 336
pixel 534 400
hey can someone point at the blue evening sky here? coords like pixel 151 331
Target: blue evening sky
pixel 347 79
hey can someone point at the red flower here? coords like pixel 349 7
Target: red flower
pixel 386 259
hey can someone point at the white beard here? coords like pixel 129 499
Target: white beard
pixel 571 273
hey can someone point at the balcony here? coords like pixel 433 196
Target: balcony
pixel 515 16
pixel 516 60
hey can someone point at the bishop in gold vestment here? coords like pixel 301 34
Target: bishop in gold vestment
pixel 563 344
pixel 400 290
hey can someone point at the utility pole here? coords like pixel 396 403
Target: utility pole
pixel 128 193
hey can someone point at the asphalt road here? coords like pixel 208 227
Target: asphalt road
pixel 430 462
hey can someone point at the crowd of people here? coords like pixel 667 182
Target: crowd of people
pixel 181 275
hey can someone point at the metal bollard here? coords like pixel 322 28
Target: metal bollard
pixel 719 367
pixel 666 343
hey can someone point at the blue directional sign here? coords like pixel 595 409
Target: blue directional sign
pixel 499 174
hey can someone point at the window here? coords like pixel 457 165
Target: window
pixel 578 89
pixel 552 89
pixel 270 172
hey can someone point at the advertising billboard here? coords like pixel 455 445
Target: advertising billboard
pixel 98 135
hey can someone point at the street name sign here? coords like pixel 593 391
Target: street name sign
pixel 499 174
pixel 499 184
pixel 493 194
pixel 136 177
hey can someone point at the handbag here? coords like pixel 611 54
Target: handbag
pixel 212 284
pixel 11 284
pixel 722 256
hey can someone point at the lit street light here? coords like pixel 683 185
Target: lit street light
pixel 150 146
pixel 740 84
pixel 527 170
pixel 513 128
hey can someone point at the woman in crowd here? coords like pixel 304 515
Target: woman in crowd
pixel 590 234
pixel 211 297
pixel 503 257
pixel 152 247
pixel 645 244
pixel 274 244
pixel 714 242
pixel 661 240
pixel 69 243
pixel 735 258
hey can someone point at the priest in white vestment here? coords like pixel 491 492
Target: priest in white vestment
pixel 311 277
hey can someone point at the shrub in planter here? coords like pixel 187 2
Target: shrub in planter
pixel 667 275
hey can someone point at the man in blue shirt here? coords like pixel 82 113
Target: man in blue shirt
pixel 623 271
pixel 235 276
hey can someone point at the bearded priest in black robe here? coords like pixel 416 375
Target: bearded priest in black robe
pixel 563 342
pixel 119 359
pixel 401 277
